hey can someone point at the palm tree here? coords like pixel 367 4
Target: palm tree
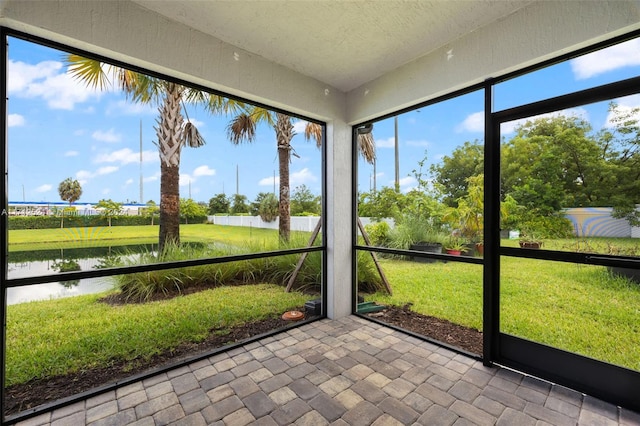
pixel 70 190
pixel 243 128
pixel 172 130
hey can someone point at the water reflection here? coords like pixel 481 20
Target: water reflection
pixel 24 264
pixel 49 291
pixel 53 290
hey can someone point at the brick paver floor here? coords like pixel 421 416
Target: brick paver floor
pixel 341 372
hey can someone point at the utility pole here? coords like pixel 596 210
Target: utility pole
pixel 397 154
pixel 141 195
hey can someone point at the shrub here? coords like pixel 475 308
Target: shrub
pixel 378 233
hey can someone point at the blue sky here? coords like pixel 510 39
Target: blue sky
pixel 58 128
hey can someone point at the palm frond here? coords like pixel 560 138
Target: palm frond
pixel 313 130
pixel 366 146
pixel 87 70
pixel 241 128
pixel 191 136
pixel 261 114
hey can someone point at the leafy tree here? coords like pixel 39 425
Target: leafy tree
pixel 303 201
pixel 254 208
pixel 109 209
pixel 239 204
pixel 385 203
pixel 219 204
pixel 190 210
pixel 151 210
pixel 622 142
pixel 268 209
pixel 70 190
pixel 173 131
pixel 452 173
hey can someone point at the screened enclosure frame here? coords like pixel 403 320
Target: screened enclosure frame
pixel 608 382
pixel 7 283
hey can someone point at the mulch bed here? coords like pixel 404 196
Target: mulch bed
pixel 441 330
pixel 40 391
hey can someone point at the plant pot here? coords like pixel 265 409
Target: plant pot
pixel 426 247
pixel 480 248
pixel 531 244
pixel 469 250
pixel 454 252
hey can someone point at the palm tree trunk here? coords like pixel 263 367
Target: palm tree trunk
pixel 284 134
pixel 169 146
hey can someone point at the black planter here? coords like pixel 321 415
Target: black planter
pixel 632 274
pixel 426 247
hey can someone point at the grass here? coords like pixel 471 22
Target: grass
pixel 582 309
pixel 42 239
pixel 66 335
pixel 577 308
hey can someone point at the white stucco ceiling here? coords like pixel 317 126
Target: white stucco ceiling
pixel 341 43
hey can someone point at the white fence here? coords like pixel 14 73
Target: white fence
pixel 587 222
pixel 298 223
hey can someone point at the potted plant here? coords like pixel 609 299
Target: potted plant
pixel 455 246
pixel 530 240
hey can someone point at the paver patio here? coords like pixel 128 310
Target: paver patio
pixel 341 372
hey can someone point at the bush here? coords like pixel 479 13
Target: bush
pixel 140 287
pixel 378 233
pixel 548 227
pixel 82 221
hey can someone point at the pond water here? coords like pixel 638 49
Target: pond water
pixel 53 290
pixel 24 264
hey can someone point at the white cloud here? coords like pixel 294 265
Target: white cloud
pixel 71 154
pixel 106 170
pixel 153 178
pixel 126 156
pixel 16 120
pixel 303 176
pixel 84 175
pixel 203 171
pixel 199 124
pixel 128 182
pixel 108 136
pixel 44 188
pixel 48 80
pixel 80 132
pixel 473 123
pixel 185 179
pixel 106 191
pixel 269 181
pixel 408 181
pixel 605 60
pixel 298 127
pixel 385 143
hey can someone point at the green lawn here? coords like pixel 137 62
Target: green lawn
pixel 71 334
pixel 42 239
pixel 578 308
